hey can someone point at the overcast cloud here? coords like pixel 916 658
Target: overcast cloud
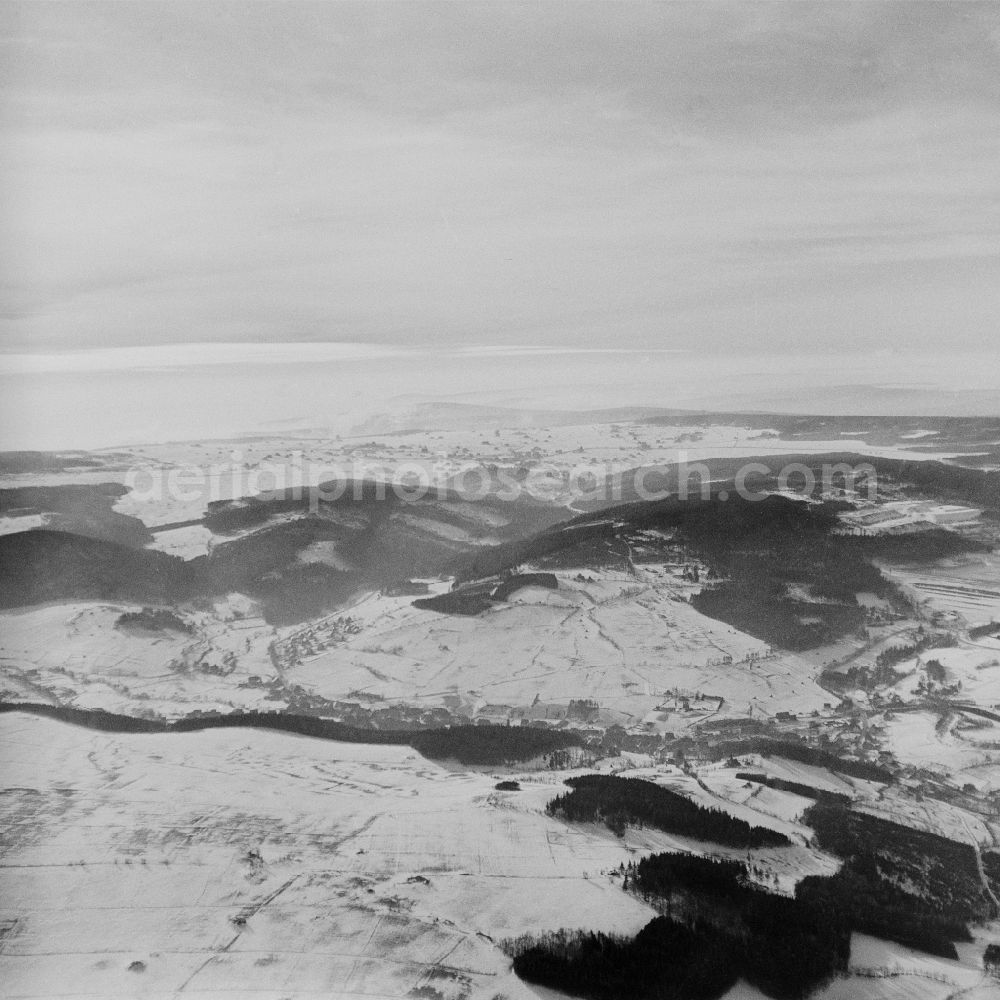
pixel 804 177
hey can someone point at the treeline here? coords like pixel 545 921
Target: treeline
pixel 45 565
pixel 981 631
pixel 949 483
pixel 754 549
pixel 853 899
pixel 474 745
pixel 718 929
pixel 943 482
pixel 760 550
pixel 229 516
pixel 378 549
pixel 456 602
pixel 495 559
pixel 804 754
pixel 759 553
pixel 865 677
pixel 225 517
pixel 764 612
pixel 919 546
pixel 719 926
pixel 664 961
pixel 480 597
pixel 909 886
pixel 154 619
pixel 81 508
pixel 266 566
pixel 991 866
pixel 796 787
pixel 936 867
pixel 485 745
pixel 38 566
pixel 875 906
pixel 518 580
pixel 621 802
pixel 787 946
pixel 301 591
pixel 19 462
pixel 898 654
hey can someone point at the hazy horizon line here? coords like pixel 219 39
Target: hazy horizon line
pixel 181 354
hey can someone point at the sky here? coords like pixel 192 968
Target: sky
pixel 700 178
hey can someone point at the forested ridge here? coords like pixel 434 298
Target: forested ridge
pixel 759 554
pixel 719 923
pixel 896 882
pixel 474 745
pixel 716 928
pixel 621 802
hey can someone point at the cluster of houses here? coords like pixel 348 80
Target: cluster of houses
pixel 291 651
pixel 577 714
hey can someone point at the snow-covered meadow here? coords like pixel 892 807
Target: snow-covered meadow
pixel 242 862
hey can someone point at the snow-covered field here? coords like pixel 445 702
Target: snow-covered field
pixel 241 862
pixel 974 666
pixel 189 542
pixel 176 481
pixel 245 863
pixel 627 644
pixel 74 653
pixel 886 971
pixel 621 642
pixel 27 522
pixel 916 738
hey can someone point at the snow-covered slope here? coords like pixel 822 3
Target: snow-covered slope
pixel 239 862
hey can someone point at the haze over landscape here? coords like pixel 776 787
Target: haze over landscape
pixel 500 501
pixel 803 181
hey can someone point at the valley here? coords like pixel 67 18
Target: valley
pixel 754 654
